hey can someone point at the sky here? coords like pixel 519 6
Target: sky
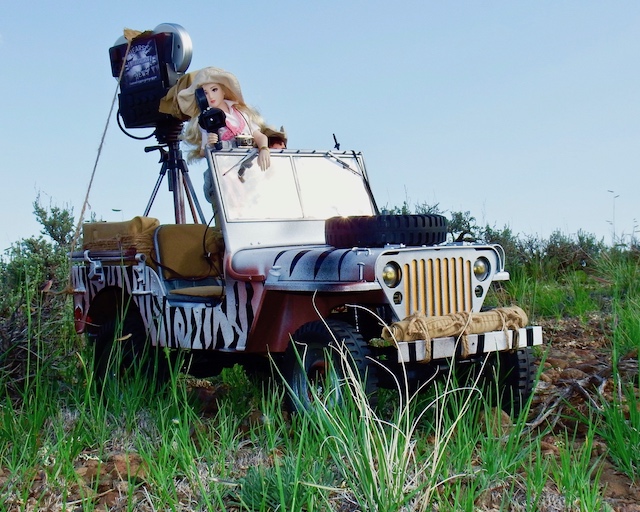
pixel 526 114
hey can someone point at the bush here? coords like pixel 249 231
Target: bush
pixel 34 273
pixel 566 253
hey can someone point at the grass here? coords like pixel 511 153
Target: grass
pixel 577 475
pixel 445 447
pixel 332 458
pixel 576 294
pixel 66 444
pixel 620 428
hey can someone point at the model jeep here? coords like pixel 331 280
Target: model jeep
pixel 299 260
pixel 300 255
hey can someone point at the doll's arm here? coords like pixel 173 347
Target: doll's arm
pixel 208 139
pixel 264 155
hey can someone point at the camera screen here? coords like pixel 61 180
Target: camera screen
pixel 142 65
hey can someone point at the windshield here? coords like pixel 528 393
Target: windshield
pixel 312 186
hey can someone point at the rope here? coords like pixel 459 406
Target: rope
pixel 420 327
pixel 129 36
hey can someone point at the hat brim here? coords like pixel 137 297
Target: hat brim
pixel 210 75
pixel 272 133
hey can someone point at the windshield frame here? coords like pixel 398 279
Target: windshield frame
pixel 288 203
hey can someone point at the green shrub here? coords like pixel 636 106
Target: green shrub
pixel 36 324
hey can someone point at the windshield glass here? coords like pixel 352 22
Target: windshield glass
pixel 296 186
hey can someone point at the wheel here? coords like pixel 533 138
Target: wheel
pixel 122 351
pixel 379 230
pixel 516 376
pixel 507 379
pixel 312 366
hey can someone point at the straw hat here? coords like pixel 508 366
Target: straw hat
pixel 211 75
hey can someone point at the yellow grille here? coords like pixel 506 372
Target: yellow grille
pixel 437 286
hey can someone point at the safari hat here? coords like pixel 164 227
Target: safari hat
pixel 211 75
pixel 272 133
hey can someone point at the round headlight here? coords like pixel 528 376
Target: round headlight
pixel 391 274
pixel 481 268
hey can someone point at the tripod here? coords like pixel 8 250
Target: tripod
pixel 167 133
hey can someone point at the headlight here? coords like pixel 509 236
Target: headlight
pixel 391 274
pixel 481 268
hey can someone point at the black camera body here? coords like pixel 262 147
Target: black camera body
pixel 151 66
pixel 211 119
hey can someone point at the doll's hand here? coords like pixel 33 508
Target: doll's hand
pixel 212 138
pixel 264 158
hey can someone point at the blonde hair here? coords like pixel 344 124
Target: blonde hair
pixel 192 134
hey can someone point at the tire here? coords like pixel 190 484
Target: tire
pixel 379 230
pixel 122 352
pixel 507 379
pixel 312 367
pixel 516 379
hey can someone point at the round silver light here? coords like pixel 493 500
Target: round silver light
pixel 481 269
pixel 391 274
pixel 182 45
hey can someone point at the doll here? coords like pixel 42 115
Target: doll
pixel 222 90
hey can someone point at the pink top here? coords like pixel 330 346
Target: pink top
pixel 237 123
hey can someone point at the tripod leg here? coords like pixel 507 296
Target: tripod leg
pixel 187 193
pixel 192 198
pixel 178 197
pixel 163 170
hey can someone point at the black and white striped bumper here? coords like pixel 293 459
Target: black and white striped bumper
pixel 422 351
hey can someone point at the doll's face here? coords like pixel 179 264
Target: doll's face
pixel 215 95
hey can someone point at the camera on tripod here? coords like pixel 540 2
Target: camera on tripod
pixel 152 65
pixel 148 66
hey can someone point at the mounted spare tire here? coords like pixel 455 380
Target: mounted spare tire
pixel 379 230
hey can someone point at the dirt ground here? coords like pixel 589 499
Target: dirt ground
pixel 578 369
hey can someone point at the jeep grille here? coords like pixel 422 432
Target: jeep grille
pixel 437 286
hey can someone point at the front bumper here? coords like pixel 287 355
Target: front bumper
pixel 466 346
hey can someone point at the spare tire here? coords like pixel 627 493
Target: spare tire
pixel 379 230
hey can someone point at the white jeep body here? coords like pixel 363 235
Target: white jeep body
pixel 279 273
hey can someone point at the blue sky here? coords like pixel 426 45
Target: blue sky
pixel 524 113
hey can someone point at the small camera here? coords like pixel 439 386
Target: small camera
pixel 211 119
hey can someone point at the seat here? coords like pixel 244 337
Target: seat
pixel 128 237
pixel 189 259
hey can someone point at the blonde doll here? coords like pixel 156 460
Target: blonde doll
pixel 222 90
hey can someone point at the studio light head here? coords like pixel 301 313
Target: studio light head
pixel 152 66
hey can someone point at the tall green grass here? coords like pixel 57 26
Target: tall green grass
pixel 442 449
pixel 577 474
pixel 618 423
